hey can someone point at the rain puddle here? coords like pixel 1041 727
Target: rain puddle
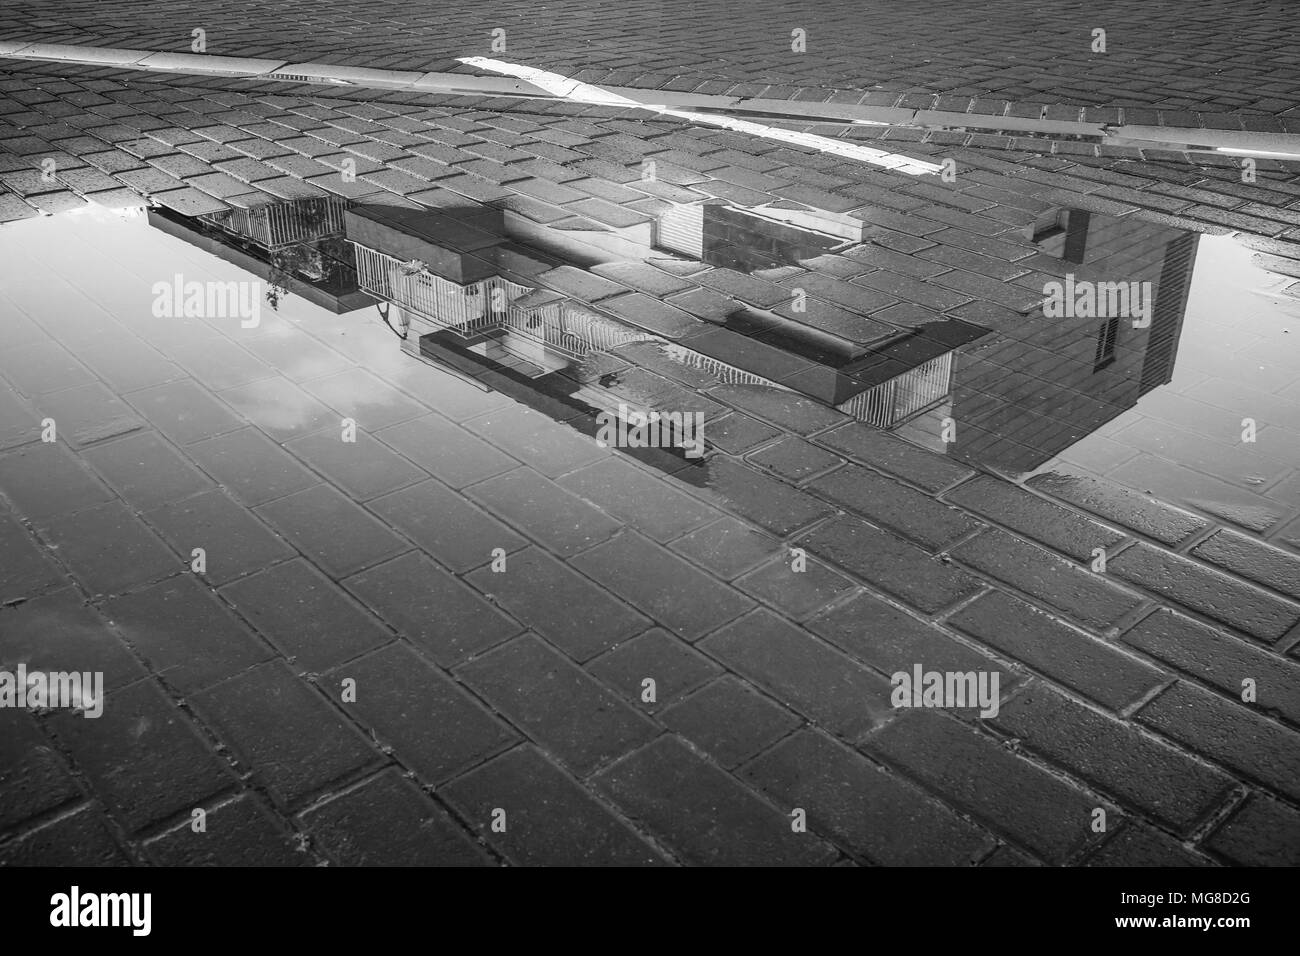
pixel 1165 361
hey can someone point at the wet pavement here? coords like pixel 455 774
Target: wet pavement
pixel 368 554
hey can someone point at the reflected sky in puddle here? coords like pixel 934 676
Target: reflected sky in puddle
pixel 1156 408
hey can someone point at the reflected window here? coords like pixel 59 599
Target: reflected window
pixel 1106 336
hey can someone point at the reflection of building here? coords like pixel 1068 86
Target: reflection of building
pixel 1026 394
pixel 296 246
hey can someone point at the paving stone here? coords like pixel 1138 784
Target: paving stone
pixel 794 459
pixel 726 547
pixel 1228 733
pixel 57 632
pixel 109 549
pixel 889 640
pixel 43 367
pixel 550 820
pixel 449 453
pixel 536 440
pixel 1221 660
pixel 795 593
pixel 283 732
pixel 999 788
pixel 770 504
pixel 1136 845
pixel 736 433
pixel 656 655
pixel 1027 634
pixel 440 522
pixel 899 568
pixel 363 468
pixel 184 412
pixel 429 607
pixel 45 480
pixel 789 410
pixel 703 815
pixel 556 704
pixel 142 756
pixel 239 833
pixel 729 720
pixel 1215 595
pixel 566 609
pixel 801 671
pixel 1113 756
pixel 432 725
pixel 1031 516
pixel 1262 832
pixel 870 813
pixel 886 453
pixel 675 594
pixel 33 778
pixel 1271 567
pixel 79 839
pixel 1153 518
pixel 252 467
pixel 894 506
pixel 1084 595
pixel 357 394
pixel 388 822
pixel 188 638
pixel 304 615
pixel 25 569
pixel 145 471
pixel 637 498
pixel 564 523
pixel 331 529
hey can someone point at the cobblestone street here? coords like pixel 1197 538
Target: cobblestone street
pixel 360 598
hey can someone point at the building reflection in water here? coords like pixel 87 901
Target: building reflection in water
pixel 1031 390
pixel 459 286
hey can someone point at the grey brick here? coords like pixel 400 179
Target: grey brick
pixel 1220 659
pixel 891 505
pixel 682 598
pixel 1146 515
pixel 1213 594
pixel 702 814
pixel 1086 664
pixel 1230 734
pixel 1250 558
pixel 289 738
pixel 899 568
pixel 1079 592
pixel 1163 782
pixel 802 672
pixel 870 813
pixel 388 821
pixel 239 832
pixel 1137 845
pixel 729 720
pixel 565 608
pixel 433 726
pixel 882 451
pixel 557 704
pixel 1003 790
pixel 674 666
pixel 1027 514
pixel 1262 832
pixel 550 820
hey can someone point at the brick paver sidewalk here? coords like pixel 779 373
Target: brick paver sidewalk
pixel 523 690
pixel 1216 56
